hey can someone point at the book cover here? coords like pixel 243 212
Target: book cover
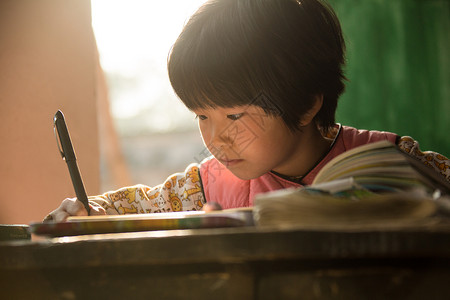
pixel 144 222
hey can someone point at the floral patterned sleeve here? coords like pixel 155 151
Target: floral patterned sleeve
pixel 437 161
pixel 180 192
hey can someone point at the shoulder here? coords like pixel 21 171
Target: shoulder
pixel 437 161
pixel 221 186
pixel 213 173
pixel 210 168
pixel 353 137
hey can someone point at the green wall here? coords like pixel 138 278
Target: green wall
pixel 398 68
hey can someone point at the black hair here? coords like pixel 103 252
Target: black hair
pixel 285 52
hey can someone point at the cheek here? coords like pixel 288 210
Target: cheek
pixel 270 142
pixel 204 134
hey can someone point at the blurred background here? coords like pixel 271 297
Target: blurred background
pixel 157 134
pixel 103 62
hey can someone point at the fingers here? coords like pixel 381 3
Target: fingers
pixel 69 207
pixel 48 218
pixel 56 216
pixel 211 206
pixel 73 207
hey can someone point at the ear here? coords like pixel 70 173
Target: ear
pixel 312 112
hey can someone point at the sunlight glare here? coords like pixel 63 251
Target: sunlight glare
pixel 134 38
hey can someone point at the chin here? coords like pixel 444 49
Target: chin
pixel 245 175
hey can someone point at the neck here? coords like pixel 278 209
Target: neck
pixel 311 148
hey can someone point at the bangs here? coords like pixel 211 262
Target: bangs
pixel 201 86
pixel 224 80
pixel 212 63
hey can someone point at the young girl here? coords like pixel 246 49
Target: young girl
pixel 263 78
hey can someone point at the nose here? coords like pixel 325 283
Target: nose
pixel 218 139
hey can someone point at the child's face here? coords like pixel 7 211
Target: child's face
pixel 247 141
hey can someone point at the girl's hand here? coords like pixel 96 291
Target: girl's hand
pixel 73 207
pixel 211 206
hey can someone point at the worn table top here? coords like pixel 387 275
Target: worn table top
pixel 232 263
pixel 228 244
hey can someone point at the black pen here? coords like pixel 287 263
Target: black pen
pixel 68 154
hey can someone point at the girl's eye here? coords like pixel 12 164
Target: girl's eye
pixel 235 117
pixel 202 117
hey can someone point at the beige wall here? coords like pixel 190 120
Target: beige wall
pixel 47 62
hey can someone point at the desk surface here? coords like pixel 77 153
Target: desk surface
pixel 237 263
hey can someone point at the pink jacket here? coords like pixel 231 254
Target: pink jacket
pixel 221 186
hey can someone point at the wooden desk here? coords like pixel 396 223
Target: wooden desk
pixel 233 263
